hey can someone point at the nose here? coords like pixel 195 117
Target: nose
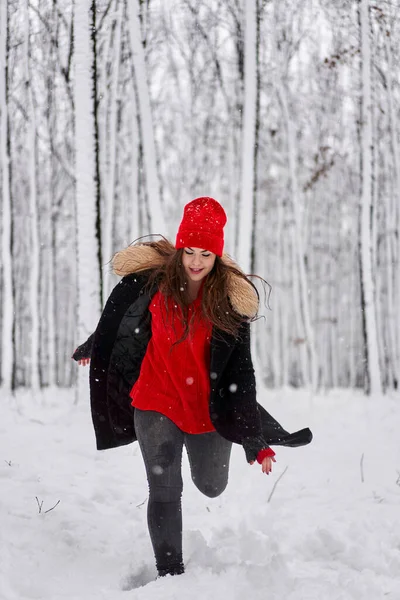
pixel 196 261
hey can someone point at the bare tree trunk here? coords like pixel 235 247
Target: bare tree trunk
pixel 112 151
pixel 246 208
pixel 50 274
pixel 393 211
pixel 238 120
pixel 89 295
pixel 33 214
pixel 331 308
pixel 377 253
pixel 279 340
pixel 373 384
pixel 300 340
pixel 298 244
pixel 96 128
pixel 134 209
pixel 389 277
pixel 155 212
pixel 7 351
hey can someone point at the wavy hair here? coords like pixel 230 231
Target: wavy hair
pixel 170 277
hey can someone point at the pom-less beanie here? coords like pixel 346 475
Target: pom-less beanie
pixel 202 226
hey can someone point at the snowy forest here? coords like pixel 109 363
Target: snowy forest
pixel 115 113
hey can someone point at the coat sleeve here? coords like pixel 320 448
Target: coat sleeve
pixel 240 395
pixel 84 350
pixel 255 425
pixel 111 414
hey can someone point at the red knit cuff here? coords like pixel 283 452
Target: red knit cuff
pixel 264 453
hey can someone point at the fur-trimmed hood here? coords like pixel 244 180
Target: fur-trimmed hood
pixel 136 258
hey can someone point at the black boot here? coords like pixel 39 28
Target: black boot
pixel 177 569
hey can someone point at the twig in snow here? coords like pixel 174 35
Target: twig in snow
pixel 141 504
pixel 276 483
pixel 398 478
pixel 53 507
pixel 40 504
pixel 362 467
pixel 8 462
pixel 377 498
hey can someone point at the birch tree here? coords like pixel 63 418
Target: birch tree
pixel 393 212
pixel 247 198
pixel 373 375
pixel 89 295
pixel 33 211
pixel 110 147
pixel 7 296
pixel 155 212
pixel 388 192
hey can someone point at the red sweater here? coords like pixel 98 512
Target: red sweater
pixel 174 380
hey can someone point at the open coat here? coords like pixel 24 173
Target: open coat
pixel 118 347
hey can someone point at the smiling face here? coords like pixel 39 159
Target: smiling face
pixel 197 263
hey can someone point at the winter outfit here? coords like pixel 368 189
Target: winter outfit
pixel 200 392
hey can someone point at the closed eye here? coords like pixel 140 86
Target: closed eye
pixel 190 253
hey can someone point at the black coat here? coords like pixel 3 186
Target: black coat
pixel 117 349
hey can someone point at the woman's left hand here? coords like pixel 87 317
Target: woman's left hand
pixel 266 465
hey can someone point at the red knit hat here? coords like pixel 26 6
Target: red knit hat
pixel 202 226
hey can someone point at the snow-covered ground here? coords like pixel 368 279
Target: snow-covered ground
pixel 324 534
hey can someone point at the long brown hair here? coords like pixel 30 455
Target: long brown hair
pixel 171 280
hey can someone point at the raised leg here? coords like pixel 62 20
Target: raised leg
pixel 209 455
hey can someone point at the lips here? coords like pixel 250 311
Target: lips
pixel 195 271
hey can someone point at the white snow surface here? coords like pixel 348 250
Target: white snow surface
pixel 325 534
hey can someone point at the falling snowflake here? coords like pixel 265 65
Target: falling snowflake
pixel 157 470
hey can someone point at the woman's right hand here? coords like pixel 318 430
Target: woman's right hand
pixel 83 362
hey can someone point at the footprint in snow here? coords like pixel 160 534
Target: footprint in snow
pixel 143 576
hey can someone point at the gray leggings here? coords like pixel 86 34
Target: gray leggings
pixel 161 443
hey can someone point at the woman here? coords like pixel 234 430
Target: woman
pixel 171 366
